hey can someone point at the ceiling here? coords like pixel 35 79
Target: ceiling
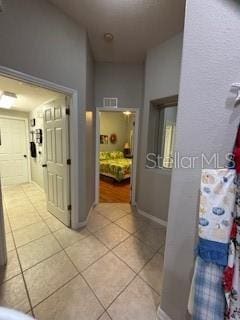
pixel 28 96
pixel 137 25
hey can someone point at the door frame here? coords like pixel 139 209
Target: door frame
pixel 135 154
pixel 27 141
pixel 73 131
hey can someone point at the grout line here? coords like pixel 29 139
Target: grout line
pixel 45 260
pixel 24 280
pixel 79 273
pixel 62 286
pixel 25 244
pixel 91 233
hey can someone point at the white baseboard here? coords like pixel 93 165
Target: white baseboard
pixel 161 315
pixel 149 216
pixel 85 222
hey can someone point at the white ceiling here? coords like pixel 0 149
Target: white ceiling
pixel 137 25
pixel 28 96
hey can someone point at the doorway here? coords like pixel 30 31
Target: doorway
pixel 14 154
pixel 34 145
pixel 116 155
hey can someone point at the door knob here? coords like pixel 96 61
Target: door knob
pixel 25 156
pixel 44 165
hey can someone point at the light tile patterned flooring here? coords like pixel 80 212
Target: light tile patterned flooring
pixel 112 269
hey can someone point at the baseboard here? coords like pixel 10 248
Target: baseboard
pixel 85 222
pixel 161 315
pixel 149 216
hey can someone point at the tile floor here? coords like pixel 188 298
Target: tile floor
pixel 112 269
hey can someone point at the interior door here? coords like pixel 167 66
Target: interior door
pixel 13 151
pixel 56 167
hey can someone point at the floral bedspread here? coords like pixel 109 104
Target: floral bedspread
pixel 119 169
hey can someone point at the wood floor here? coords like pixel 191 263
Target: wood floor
pixel 111 191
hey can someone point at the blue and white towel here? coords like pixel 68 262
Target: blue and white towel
pixel 217 204
pixel 209 299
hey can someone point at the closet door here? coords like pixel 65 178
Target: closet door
pixel 56 168
pixel 13 151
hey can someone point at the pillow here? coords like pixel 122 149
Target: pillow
pixel 104 155
pixel 116 155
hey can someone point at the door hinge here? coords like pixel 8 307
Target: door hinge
pixel 67 111
pixel 69 161
pixel 69 207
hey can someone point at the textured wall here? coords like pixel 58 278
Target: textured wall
pixel 122 81
pixel 90 132
pixel 162 73
pixel 36 38
pixel 206 123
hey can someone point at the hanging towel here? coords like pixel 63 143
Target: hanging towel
pixel 216 214
pixel 217 204
pixel 232 272
pixel 233 300
pixel 192 291
pixel 209 299
pixel 33 150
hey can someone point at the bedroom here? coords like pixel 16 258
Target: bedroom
pixel 116 150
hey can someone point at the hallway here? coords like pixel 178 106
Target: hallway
pixel 109 270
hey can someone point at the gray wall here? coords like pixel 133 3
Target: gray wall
pixel 206 123
pixel 36 38
pixel 122 81
pixel 90 132
pixel 162 73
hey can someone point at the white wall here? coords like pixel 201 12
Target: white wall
pixel 206 123
pixel 122 81
pixel 162 74
pixel 14 113
pixel 38 39
pixel 36 163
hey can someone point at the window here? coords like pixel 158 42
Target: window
pixel 161 133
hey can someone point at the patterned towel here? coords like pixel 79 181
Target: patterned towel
pixel 217 204
pixel 209 299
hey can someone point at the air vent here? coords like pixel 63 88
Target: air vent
pixel 110 102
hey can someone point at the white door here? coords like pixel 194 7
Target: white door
pixel 56 168
pixel 13 152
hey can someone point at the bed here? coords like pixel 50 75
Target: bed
pixel 114 165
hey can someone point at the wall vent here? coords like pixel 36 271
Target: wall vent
pixel 110 102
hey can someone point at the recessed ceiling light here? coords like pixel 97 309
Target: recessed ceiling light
pixel 7 99
pixel 108 37
pixel 127 113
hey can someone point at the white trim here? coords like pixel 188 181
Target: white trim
pixel 26 121
pixel 161 315
pixel 149 216
pixel 73 131
pixel 135 154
